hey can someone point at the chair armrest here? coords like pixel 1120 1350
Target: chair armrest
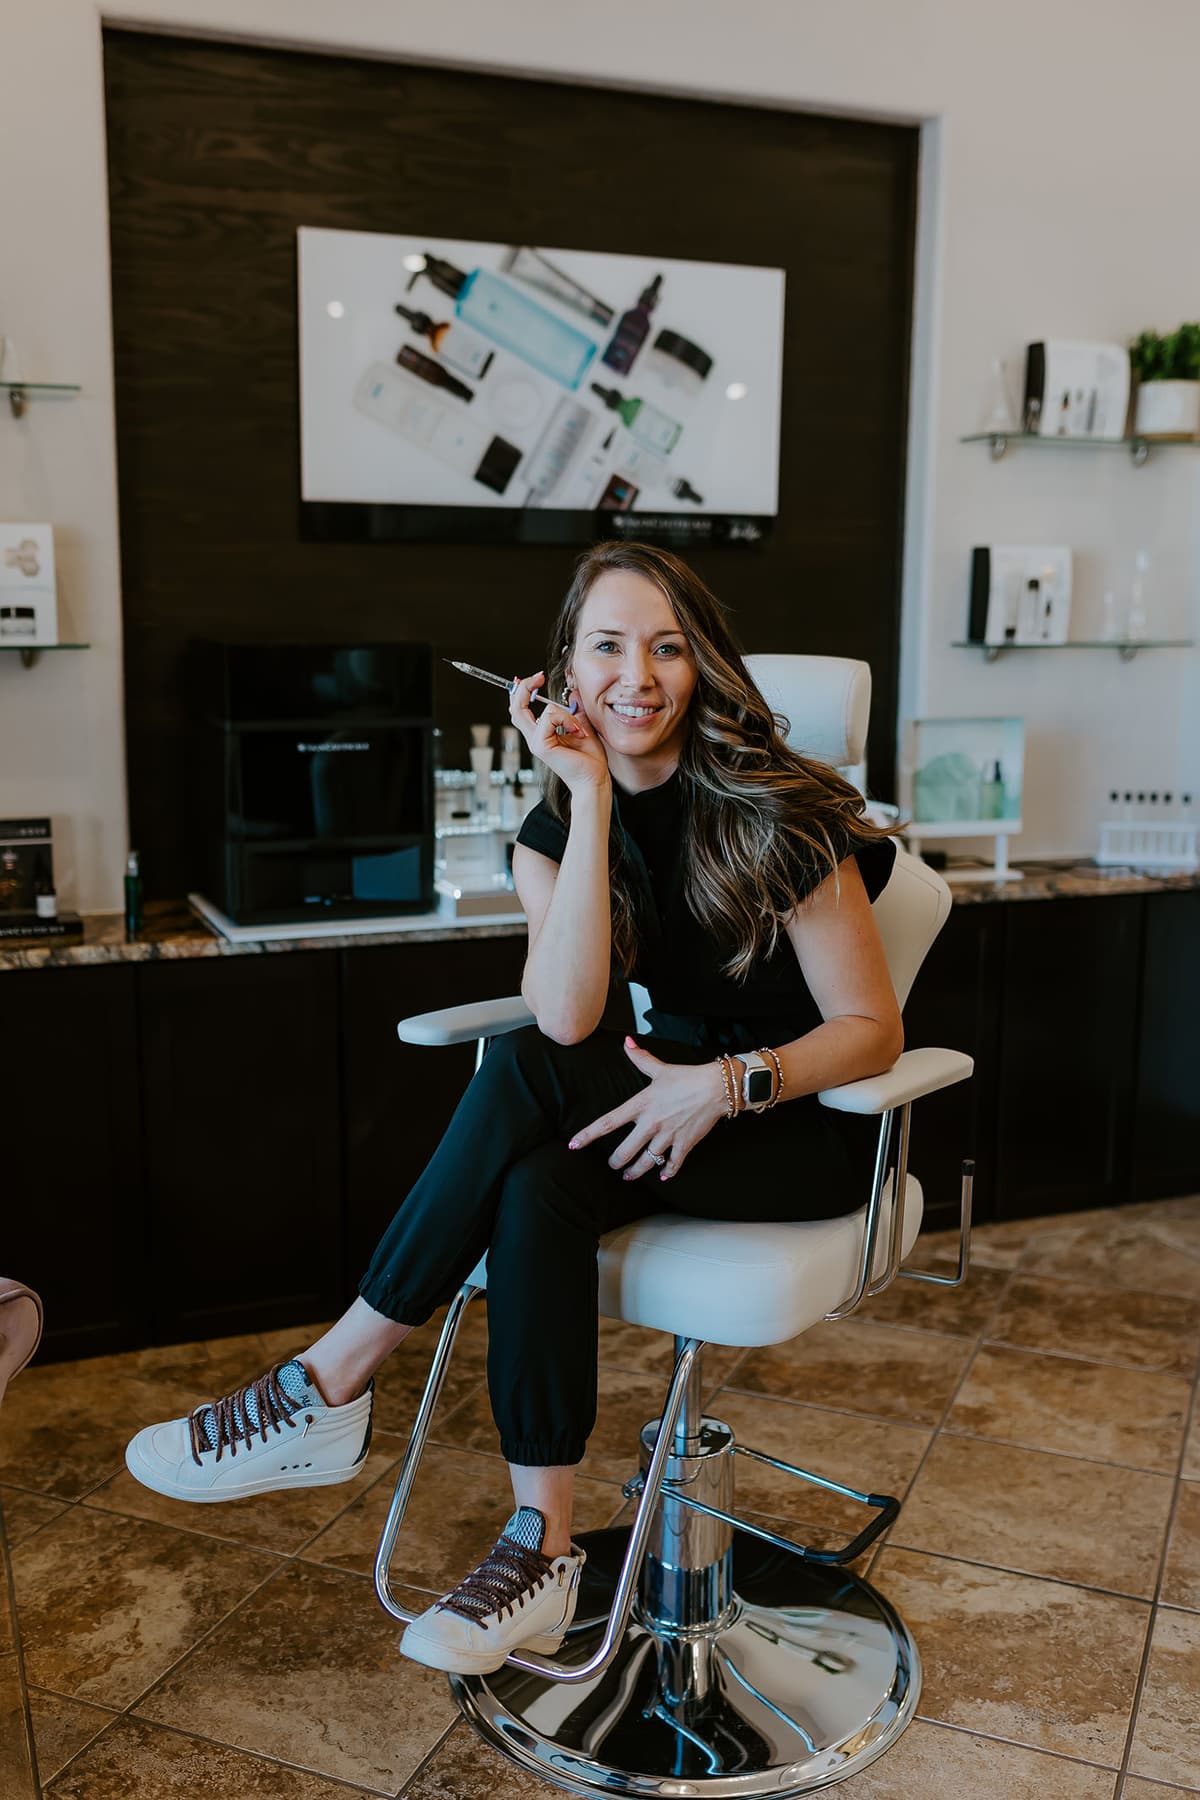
pixel 463 1024
pixel 914 1073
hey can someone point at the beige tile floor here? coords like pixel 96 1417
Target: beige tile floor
pixel 1040 1424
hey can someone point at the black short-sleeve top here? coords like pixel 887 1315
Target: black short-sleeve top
pixel 691 999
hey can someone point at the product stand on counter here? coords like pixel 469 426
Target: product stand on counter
pixel 473 850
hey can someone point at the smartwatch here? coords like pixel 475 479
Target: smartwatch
pixel 758 1082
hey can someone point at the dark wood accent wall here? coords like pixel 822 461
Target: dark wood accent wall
pixel 217 153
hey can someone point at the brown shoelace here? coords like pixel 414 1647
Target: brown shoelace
pixel 232 1422
pixel 503 1579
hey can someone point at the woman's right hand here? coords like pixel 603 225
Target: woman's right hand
pixel 574 752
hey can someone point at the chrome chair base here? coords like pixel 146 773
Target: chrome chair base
pixel 809 1677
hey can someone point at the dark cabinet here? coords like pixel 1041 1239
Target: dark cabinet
pixel 956 1005
pixel 1166 1150
pixel 1067 1061
pixel 199 1148
pixel 71 1190
pixel 399 1097
pixel 242 1122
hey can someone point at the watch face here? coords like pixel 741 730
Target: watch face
pixel 759 1088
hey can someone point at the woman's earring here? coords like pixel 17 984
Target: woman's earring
pixel 566 694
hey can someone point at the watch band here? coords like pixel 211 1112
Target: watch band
pixel 758 1081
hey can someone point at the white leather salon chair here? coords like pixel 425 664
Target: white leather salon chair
pixel 710 1656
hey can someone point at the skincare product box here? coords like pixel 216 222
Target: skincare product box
pixel 1020 594
pixel 28 592
pixel 26 866
pixel 27 930
pixel 1076 389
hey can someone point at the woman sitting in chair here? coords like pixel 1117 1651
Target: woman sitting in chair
pixel 682 845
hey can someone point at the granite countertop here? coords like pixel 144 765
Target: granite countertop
pixel 173 932
pixel 1071 880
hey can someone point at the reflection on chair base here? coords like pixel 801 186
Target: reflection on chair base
pixel 807 1677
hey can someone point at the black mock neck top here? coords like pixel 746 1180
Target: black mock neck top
pixel 679 962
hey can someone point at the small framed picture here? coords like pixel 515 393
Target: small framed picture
pixel 967 772
pixel 964 778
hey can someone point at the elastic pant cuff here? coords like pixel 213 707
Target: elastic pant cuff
pixel 543 1453
pixel 384 1299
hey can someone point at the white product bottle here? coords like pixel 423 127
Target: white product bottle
pixel 1000 412
pixel 1136 624
pixel 510 752
pixel 1111 629
pixel 1048 618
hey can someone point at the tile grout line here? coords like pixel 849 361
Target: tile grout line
pixel 946 1410
pixel 126 1711
pixel 993 1737
pixel 430 1754
pixel 974 1562
pixel 284 1560
pixel 1094 1462
pixel 10 1596
pixel 38 1688
pixel 1156 1603
pixel 1093 1362
pixel 258 1756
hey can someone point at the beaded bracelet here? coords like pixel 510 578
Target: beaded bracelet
pixel 730 1081
pixel 765 1050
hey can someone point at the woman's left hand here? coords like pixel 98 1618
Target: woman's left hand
pixel 681 1105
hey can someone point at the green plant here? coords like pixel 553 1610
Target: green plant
pixel 1175 357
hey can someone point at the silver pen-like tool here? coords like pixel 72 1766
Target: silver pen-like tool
pixel 508 686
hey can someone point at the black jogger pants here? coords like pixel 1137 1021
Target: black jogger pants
pixel 502 1181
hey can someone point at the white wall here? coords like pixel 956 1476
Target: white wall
pixel 1057 200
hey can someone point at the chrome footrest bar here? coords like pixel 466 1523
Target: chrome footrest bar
pixel 964 1236
pixel 639 1534
pixel 885 1506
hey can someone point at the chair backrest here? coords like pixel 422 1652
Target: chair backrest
pixel 825 699
pixel 909 913
pixel 827 702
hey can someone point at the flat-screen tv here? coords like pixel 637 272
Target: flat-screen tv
pixel 493 392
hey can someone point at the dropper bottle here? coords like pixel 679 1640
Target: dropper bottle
pixel 460 347
pixel 134 897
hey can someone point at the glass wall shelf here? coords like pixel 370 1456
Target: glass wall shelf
pixel 1138 447
pixel 29 653
pixel 1127 648
pixel 19 391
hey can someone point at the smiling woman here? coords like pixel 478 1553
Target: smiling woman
pixel 648 652
pixel 682 842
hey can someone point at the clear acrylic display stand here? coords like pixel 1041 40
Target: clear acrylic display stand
pixel 998 829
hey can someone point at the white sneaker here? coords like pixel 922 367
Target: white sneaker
pixel 276 1432
pixel 516 1599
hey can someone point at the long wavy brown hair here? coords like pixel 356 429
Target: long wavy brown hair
pixel 754 804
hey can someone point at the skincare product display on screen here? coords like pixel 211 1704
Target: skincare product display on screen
pixel 437 373
pixel 1020 594
pixel 28 591
pixel 1076 389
